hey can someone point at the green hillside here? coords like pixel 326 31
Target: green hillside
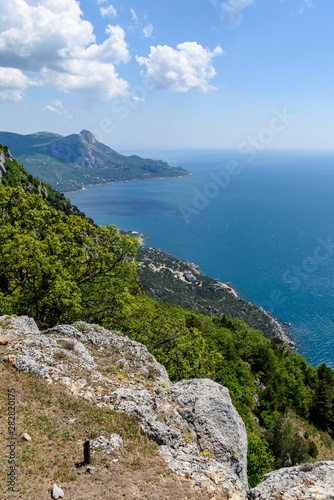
pixel 72 162
pixel 58 267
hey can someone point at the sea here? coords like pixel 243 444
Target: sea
pixel 261 221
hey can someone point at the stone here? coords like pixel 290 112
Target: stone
pixel 57 492
pixel 26 437
pixel 114 442
pixel 302 482
pixel 207 407
pixel 18 325
pixel 206 472
pixel 3 341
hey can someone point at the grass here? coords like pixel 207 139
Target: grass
pixel 58 424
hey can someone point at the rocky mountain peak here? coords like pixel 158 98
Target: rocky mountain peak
pixel 87 137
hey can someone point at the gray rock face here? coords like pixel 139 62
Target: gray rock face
pixel 186 419
pixel 4 156
pixel 218 427
pixel 303 482
pixel 11 326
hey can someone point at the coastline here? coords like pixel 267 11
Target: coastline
pixel 130 180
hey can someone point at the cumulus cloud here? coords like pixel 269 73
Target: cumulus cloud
pixel 231 10
pixel 182 69
pixel 53 40
pixel 108 11
pixel 12 84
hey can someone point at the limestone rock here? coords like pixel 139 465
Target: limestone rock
pixel 57 492
pixel 218 427
pixel 191 421
pixel 114 442
pixel 13 326
pixel 302 482
pixel 206 472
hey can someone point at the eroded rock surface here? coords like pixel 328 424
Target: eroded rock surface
pixel 303 482
pixel 199 431
pixel 201 435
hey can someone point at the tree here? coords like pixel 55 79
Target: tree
pixel 60 268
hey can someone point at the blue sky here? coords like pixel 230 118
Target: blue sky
pixel 177 74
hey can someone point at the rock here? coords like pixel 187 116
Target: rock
pixel 3 341
pixel 302 482
pixel 90 470
pixel 17 325
pixel 206 472
pixel 188 275
pixel 57 492
pixel 26 437
pixel 113 443
pixel 218 427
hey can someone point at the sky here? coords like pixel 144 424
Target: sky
pixel 144 74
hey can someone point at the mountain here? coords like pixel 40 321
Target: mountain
pixel 72 162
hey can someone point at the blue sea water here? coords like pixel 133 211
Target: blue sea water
pixel 264 224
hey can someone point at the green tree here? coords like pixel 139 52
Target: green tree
pixel 57 268
pixel 259 458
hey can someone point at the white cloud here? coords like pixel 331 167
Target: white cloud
pixel 137 99
pixel 108 11
pixel 53 109
pixel 58 103
pixel 307 4
pixel 148 30
pixel 231 10
pixel 182 69
pixel 134 16
pixel 56 106
pixel 53 40
pixel 12 84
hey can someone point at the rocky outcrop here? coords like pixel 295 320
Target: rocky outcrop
pixel 4 156
pixel 303 482
pixel 200 434
pixel 199 431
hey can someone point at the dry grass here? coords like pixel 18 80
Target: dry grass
pixel 58 424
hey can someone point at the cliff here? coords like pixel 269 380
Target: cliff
pixel 200 435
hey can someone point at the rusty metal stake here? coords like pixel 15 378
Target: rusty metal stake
pixel 87 452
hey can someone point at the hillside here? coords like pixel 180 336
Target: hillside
pixel 59 268
pixel 12 175
pixel 72 162
pixel 174 281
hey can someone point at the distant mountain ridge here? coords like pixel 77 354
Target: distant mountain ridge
pixel 72 162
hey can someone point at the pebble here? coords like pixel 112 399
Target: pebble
pixel 57 492
pixel 3 341
pixel 26 437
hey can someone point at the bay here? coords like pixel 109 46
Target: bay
pixel 265 224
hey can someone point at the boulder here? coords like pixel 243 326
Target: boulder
pixel 302 482
pixel 215 423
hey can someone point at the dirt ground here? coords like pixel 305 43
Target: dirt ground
pixel 58 424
